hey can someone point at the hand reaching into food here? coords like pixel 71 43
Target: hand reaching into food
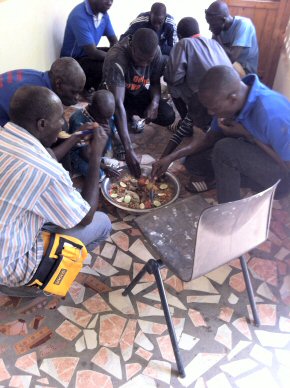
pixel 133 163
pixel 160 167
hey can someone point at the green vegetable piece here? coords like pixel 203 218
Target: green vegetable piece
pixel 127 198
pixel 156 203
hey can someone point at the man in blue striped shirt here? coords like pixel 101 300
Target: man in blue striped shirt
pixel 35 189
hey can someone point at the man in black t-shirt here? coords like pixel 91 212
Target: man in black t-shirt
pixel 132 71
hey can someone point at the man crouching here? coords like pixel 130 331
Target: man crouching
pixel 36 193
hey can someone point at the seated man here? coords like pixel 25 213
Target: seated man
pixel 130 66
pixel 36 190
pixel 188 62
pixel 65 78
pixel 160 22
pixel 236 34
pixel 86 24
pixel 250 136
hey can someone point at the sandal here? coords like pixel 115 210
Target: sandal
pixel 111 162
pixel 199 187
pixel 137 126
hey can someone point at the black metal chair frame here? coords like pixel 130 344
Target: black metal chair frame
pixel 153 267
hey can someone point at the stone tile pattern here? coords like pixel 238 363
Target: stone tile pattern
pixel 95 343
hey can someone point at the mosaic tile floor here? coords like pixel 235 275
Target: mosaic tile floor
pixel 95 337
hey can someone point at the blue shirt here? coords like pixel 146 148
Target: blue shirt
pixel 242 33
pixel 13 80
pixel 83 29
pixel 266 116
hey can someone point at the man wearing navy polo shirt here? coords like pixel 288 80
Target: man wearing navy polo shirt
pixel 250 135
pixel 86 24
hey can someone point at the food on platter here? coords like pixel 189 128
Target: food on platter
pixel 141 193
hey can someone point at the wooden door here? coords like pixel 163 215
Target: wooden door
pixel 270 19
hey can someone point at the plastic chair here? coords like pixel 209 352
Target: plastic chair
pixel 192 239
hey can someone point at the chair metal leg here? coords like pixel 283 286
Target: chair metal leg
pixel 155 269
pixel 250 290
pixel 136 279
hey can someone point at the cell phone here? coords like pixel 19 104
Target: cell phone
pixel 85 132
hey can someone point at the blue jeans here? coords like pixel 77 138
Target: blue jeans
pixel 91 235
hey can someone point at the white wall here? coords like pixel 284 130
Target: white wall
pixel 31 31
pixel 282 79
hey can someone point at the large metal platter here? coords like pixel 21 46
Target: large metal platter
pixel 145 170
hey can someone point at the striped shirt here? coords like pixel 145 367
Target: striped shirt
pixel 34 189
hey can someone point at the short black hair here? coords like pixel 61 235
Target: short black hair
pixel 187 27
pixel 157 7
pixel 103 102
pixel 220 81
pixel 67 69
pixel 32 103
pixel 218 8
pixel 146 40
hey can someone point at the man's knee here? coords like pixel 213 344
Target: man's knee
pixel 166 114
pixel 224 150
pixel 103 225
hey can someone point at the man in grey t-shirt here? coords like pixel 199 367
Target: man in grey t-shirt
pixel 188 62
pixel 132 71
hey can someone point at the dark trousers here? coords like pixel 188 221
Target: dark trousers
pixel 195 111
pixel 137 105
pixel 236 163
pixel 93 69
pixel 181 106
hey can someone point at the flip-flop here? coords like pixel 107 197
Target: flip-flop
pixel 137 126
pixel 199 187
pixel 111 162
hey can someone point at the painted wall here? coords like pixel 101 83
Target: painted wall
pixel 282 79
pixel 31 31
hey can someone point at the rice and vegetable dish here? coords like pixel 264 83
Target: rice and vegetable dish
pixel 141 193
